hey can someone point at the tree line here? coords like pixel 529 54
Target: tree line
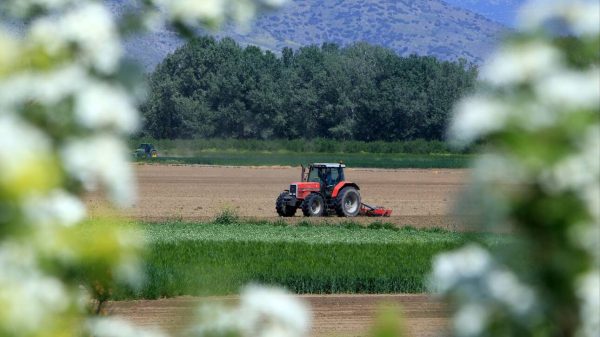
pixel 209 88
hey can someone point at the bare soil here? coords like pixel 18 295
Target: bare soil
pixel 421 198
pixel 333 315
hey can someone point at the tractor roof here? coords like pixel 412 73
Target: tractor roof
pixel 328 165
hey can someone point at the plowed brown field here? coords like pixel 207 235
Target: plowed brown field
pixel 333 315
pixel 421 198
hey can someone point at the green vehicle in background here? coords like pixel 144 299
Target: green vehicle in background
pixel 145 151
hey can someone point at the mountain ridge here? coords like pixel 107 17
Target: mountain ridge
pixel 423 27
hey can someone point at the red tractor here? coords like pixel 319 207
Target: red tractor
pixel 321 191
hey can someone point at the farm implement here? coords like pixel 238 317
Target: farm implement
pixel 322 191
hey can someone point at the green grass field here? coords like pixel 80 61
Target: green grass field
pixel 193 147
pixel 219 258
pixel 252 152
pixel 367 160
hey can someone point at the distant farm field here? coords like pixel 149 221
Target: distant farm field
pixel 364 160
pixel 420 198
pixel 220 258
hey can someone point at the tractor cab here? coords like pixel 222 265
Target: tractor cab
pixel 327 174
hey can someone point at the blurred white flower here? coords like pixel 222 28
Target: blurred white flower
pixel 129 268
pixel 504 286
pixel 477 116
pixel 471 261
pixel 580 171
pixel 470 320
pixel 32 299
pixel 21 145
pixel 589 295
pixel 100 105
pixel 587 236
pixel 9 51
pixel 90 28
pixel 116 327
pixel 515 63
pixel 266 311
pixel 582 16
pixel 262 312
pixel 23 7
pixel 101 159
pixel 216 320
pixel 56 208
pixel 570 90
pixel 494 169
pixel 274 3
pixel 243 12
pixel 192 11
pixel 46 88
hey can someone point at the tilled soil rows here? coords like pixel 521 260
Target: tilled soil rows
pixel 421 198
pixel 333 315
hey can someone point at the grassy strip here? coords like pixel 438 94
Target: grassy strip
pixel 219 258
pixel 368 160
pixel 194 147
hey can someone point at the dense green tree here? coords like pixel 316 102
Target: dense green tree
pixel 210 88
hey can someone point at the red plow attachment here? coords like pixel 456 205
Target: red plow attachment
pixel 369 210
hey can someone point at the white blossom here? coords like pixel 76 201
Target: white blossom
pixel 34 299
pixel 100 105
pixel 582 16
pixel 23 7
pixel 192 11
pixel 116 327
pixel 274 3
pixel 587 236
pixel 262 312
pixel 518 62
pixel 90 27
pixel 506 288
pixel 129 267
pixel 588 292
pixel 47 88
pixel 56 208
pixel 477 116
pixel 272 312
pixel 470 320
pixel 580 171
pixel 101 160
pixel 9 51
pixel 570 90
pixel 450 268
pixel 21 146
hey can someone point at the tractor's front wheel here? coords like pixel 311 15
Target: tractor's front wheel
pixel 348 202
pixel 313 205
pixel 282 208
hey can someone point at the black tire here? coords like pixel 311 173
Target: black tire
pixel 282 208
pixel 347 202
pixel 314 205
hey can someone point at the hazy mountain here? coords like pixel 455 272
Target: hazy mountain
pixel 424 27
pixel 503 11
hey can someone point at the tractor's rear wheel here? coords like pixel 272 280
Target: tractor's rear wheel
pixel 313 205
pixel 283 209
pixel 347 202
